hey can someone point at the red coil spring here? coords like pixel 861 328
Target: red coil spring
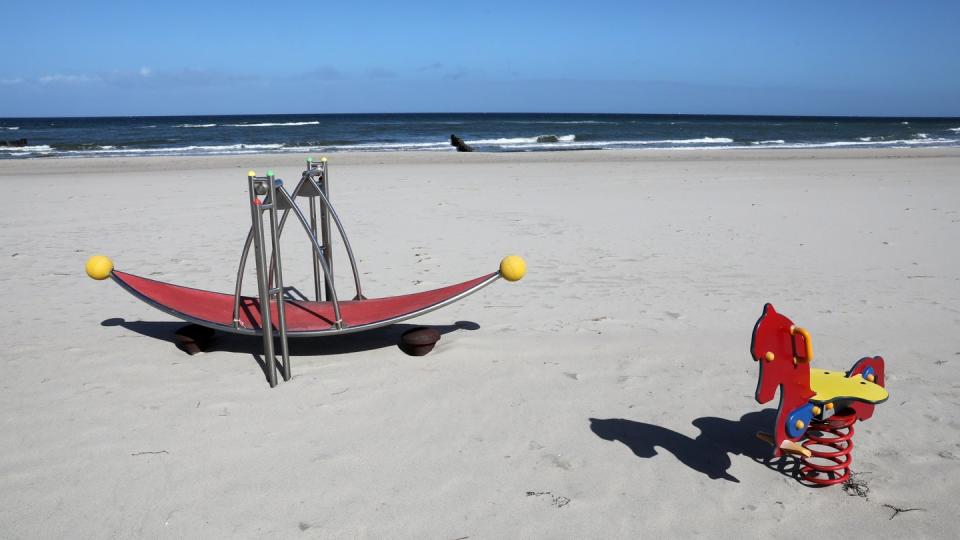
pixel 830 442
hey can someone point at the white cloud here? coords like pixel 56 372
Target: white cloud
pixel 139 77
pixel 67 79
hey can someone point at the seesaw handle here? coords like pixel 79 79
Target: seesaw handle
pixel 807 341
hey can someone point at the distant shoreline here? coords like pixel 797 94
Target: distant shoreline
pixel 294 160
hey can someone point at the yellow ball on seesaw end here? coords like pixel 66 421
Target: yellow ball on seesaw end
pixel 513 268
pixel 99 267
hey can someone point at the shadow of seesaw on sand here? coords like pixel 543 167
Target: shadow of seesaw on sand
pixel 708 453
pixel 388 336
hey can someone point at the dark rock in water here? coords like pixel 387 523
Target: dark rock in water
pixel 419 341
pixel 548 138
pixel 17 143
pixel 460 144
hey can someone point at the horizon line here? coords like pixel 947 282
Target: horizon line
pixel 673 115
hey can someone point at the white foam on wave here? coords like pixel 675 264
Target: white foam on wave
pixel 688 144
pixel 522 140
pixel 369 147
pixel 195 125
pixel 36 148
pixel 558 122
pixel 866 139
pixel 956 129
pixel 224 148
pixel 922 136
pixel 900 143
pixel 771 141
pixel 274 124
pixel 12 128
pixel 514 140
pixel 582 145
pixel 703 140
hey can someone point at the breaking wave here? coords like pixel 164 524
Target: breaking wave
pixel 520 140
pixel 35 148
pixel 274 124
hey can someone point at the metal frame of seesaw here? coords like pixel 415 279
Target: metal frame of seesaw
pixel 315 185
pixel 222 312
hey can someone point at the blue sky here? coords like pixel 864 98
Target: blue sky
pixel 170 57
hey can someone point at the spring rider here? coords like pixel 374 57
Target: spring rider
pixel 818 407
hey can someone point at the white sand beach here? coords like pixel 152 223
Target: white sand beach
pixel 609 394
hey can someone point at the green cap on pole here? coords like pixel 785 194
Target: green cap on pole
pixel 270 172
pixel 309 159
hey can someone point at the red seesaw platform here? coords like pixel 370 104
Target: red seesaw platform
pixel 303 318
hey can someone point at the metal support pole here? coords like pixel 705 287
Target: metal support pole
pixel 239 287
pixel 338 323
pixel 263 289
pixel 346 243
pixel 317 277
pixel 278 272
pixel 325 224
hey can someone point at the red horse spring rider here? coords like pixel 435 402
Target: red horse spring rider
pixel 817 406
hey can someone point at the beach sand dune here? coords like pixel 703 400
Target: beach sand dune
pixel 607 395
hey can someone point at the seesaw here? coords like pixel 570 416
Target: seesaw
pixel 273 307
pixel 817 406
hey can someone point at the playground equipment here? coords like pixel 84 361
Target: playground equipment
pixel 273 307
pixel 817 406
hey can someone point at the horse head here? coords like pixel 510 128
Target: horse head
pixel 783 352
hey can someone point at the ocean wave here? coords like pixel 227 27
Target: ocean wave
pixel 195 125
pixel 11 128
pixel 702 140
pixel 521 140
pixel 601 145
pixel 922 136
pixel 402 123
pixel 369 147
pixel 558 122
pixel 900 143
pixel 956 129
pixel 503 144
pixel 35 148
pixel 274 124
pixel 708 143
pixel 240 148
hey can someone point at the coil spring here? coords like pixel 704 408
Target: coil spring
pixel 830 443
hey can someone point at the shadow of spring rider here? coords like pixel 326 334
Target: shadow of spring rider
pixel 274 307
pixel 817 406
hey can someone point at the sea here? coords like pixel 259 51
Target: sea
pixel 485 132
